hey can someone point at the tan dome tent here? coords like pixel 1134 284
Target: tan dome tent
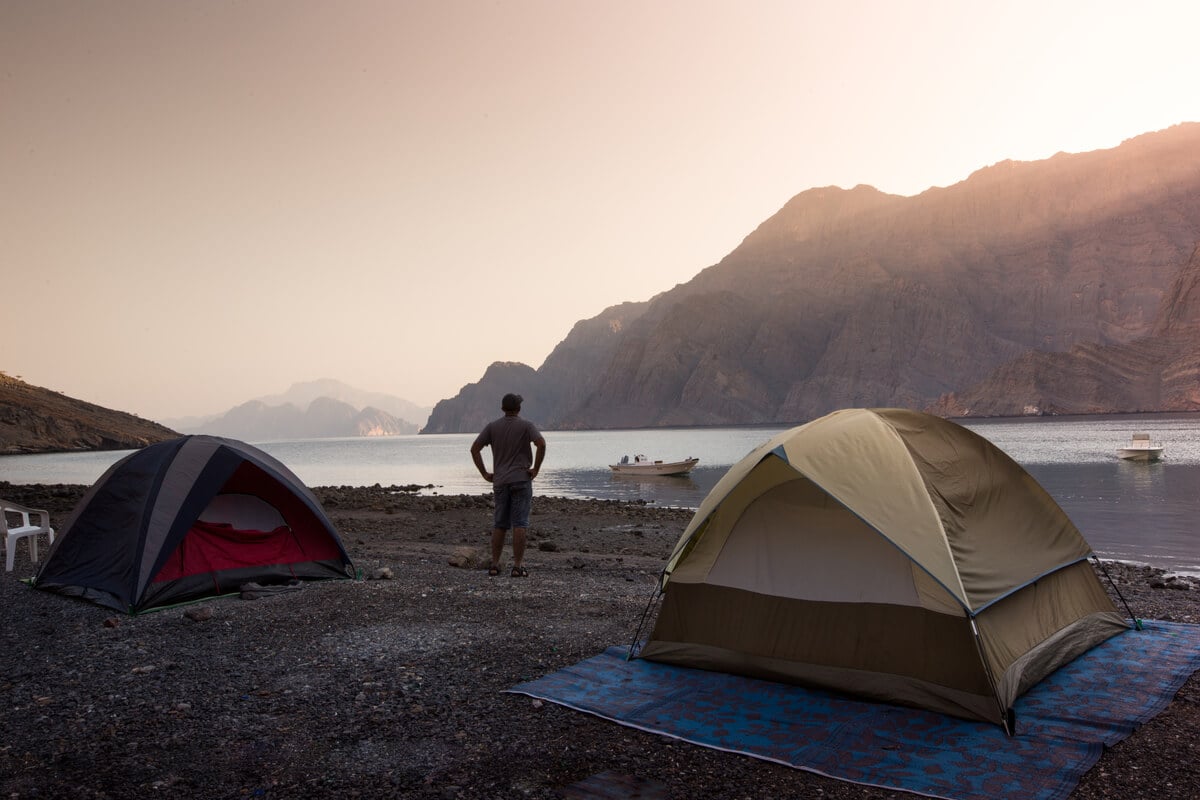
pixel 884 553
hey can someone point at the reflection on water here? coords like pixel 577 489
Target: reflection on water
pixel 652 481
pixel 658 489
pixel 1135 477
pixel 665 490
pixel 1138 512
pixel 1135 512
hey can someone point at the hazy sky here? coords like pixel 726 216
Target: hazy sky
pixel 203 202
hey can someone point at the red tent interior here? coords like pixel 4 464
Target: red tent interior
pixel 213 545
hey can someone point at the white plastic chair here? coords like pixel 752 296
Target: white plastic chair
pixel 26 529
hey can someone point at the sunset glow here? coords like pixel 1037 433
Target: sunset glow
pixel 206 202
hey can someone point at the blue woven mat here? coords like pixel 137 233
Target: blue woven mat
pixel 1063 724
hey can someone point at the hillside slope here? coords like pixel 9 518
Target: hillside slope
pixel 37 420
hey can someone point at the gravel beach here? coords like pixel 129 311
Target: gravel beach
pixel 393 686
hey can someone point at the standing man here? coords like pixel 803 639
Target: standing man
pixel 513 471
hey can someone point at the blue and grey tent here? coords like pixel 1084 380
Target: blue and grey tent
pixel 190 518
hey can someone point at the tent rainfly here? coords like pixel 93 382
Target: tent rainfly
pixel 190 518
pixel 888 554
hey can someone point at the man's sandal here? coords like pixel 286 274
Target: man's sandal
pixel 493 570
pixel 520 572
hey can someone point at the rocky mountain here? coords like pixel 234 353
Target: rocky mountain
pixel 37 420
pixel 305 392
pixel 312 410
pixel 566 379
pixel 1160 372
pixel 477 403
pixel 324 417
pixel 860 298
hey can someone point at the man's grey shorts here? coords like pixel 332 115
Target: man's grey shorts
pixel 512 504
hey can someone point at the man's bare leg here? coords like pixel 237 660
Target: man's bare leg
pixel 498 545
pixel 518 547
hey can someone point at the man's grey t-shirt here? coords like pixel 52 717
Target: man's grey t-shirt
pixel 512 455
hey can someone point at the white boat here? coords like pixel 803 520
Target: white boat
pixel 1141 448
pixel 640 465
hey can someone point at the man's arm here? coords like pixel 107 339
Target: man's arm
pixel 477 457
pixel 540 444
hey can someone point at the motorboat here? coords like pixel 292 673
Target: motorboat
pixel 1141 448
pixel 640 465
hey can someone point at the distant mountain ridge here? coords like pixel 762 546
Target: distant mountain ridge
pixel 38 420
pixel 317 409
pixel 859 298
pixel 305 392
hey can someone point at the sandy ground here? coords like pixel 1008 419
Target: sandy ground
pixel 394 686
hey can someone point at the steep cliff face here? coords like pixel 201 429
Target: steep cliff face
pixel 37 420
pixel 478 403
pixel 576 367
pixel 1160 372
pixel 1179 314
pixel 859 298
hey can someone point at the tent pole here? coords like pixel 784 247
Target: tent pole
pixel 1007 718
pixel 637 634
pixel 1137 623
pixel 660 589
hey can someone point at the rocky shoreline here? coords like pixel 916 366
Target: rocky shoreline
pixel 394 685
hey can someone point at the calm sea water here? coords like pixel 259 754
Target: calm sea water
pixel 1137 512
